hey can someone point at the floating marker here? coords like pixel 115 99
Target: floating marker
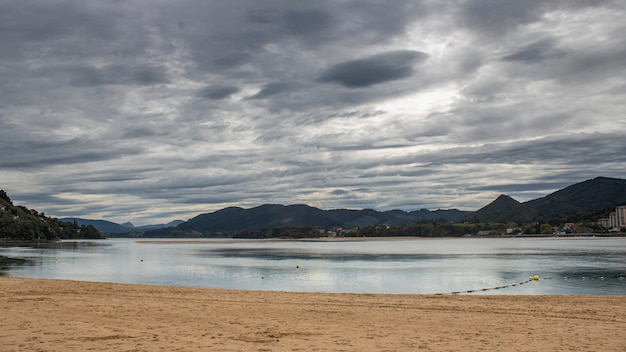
pixel 536 277
pixel 297 266
pixel 56 259
pixel 142 260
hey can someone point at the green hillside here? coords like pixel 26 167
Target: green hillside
pixel 18 223
pixel 581 198
pixel 273 216
pixel 575 200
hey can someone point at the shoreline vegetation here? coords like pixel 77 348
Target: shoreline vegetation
pixel 5 241
pixel 317 238
pixel 59 315
pixel 357 239
pixel 425 229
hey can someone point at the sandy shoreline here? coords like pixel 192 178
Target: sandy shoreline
pixel 57 315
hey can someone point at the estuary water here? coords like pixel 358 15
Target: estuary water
pixel 564 266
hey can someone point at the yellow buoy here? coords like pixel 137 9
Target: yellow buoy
pixel 297 266
pixel 536 277
pixel 142 260
pixel 56 258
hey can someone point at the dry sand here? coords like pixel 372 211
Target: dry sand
pixel 55 315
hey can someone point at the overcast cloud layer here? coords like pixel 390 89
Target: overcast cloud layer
pixel 154 110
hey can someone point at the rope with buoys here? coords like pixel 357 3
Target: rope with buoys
pixel 530 279
pixel 534 278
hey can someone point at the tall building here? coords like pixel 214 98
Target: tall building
pixel 620 215
pixel 616 219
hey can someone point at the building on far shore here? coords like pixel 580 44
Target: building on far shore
pixel 604 222
pixel 616 219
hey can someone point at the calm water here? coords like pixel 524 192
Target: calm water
pixel 594 266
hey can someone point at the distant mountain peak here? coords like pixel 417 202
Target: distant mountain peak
pixel 505 198
pixel 502 200
pixel 504 208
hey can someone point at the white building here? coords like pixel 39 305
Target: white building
pixel 616 219
pixel 620 215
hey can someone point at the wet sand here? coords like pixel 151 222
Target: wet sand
pixel 58 315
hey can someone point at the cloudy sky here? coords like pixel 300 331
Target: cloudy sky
pixel 154 110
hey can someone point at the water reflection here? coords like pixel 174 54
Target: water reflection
pixel 565 266
pixel 7 263
pixel 299 254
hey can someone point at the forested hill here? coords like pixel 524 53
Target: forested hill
pixel 18 223
pixel 271 216
pixel 595 196
pixel 598 194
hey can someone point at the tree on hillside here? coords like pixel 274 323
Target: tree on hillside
pixel 4 196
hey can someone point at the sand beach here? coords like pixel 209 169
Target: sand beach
pixel 57 315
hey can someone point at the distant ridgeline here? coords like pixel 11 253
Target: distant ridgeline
pixel 18 223
pixel 583 204
pixel 292 221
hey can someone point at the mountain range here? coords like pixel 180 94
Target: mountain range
pixel 581 198
pixel 269 216
pixel 596 195
pixel 110 227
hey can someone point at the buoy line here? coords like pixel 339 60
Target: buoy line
pixel 534 278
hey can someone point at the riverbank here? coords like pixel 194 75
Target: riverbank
pixel 57 315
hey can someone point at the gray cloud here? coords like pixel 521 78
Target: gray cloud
pixel 534 187
pixel 233 60
pixel 495 17
pixel 271 89
pixel 578 149
pixel 498 18
pixel 307 22
pixel 535 52
pixel 375 69
pixel 217 92
pixel 109 108
pixel 89 76
pixel 29 154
